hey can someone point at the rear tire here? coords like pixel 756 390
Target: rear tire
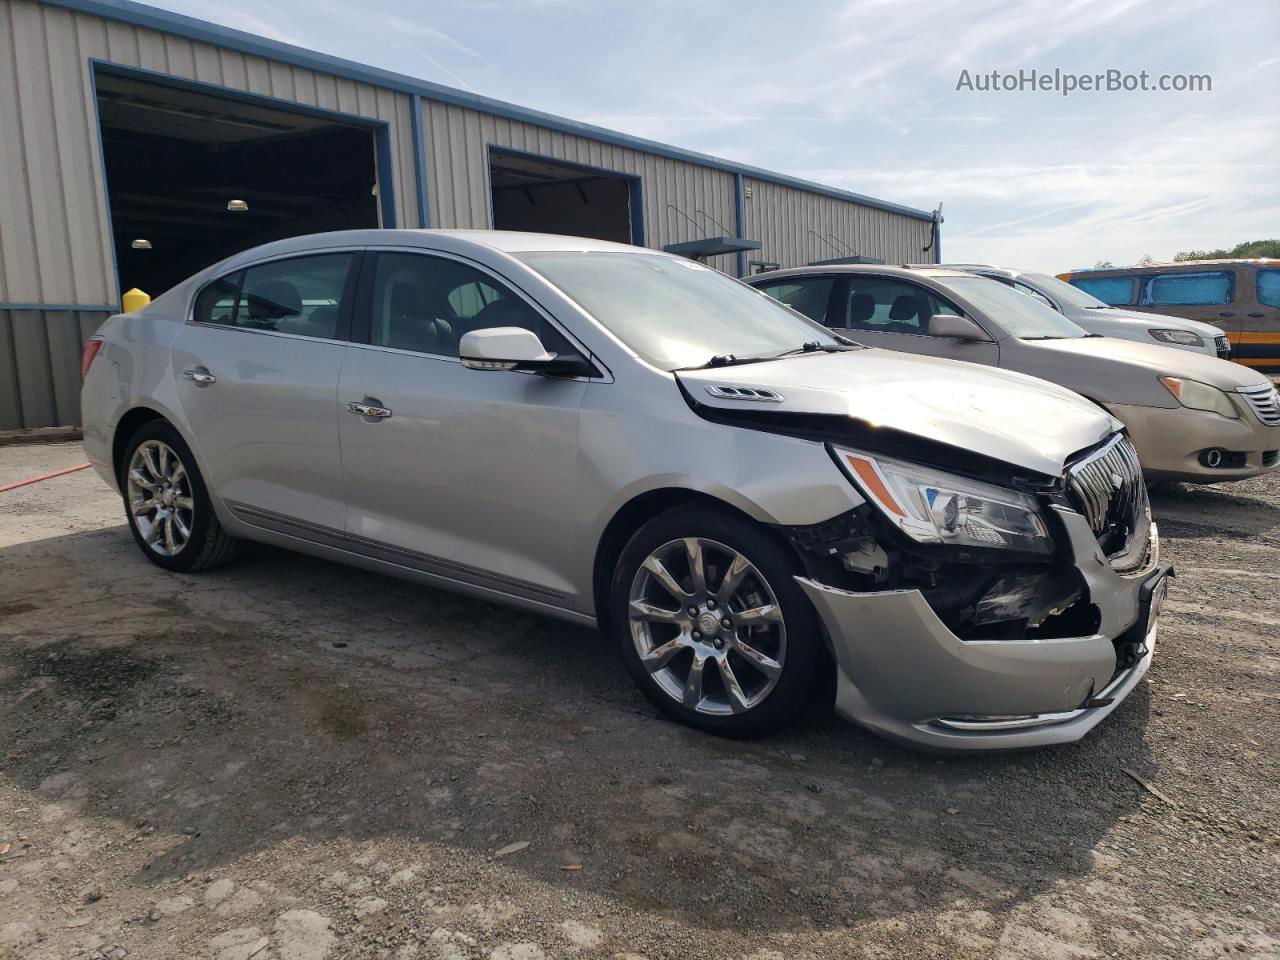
pixel 167 505
pixel 712 625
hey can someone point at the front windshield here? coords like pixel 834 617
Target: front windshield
pixel 676 313
pixel 1062 291
pixel 1019 315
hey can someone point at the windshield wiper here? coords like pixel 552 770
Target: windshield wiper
pixel 813 346
pixel 726 360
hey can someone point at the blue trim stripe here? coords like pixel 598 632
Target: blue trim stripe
pixel 420 162
pixel 740 213
pixel 63 307
pixel 141 15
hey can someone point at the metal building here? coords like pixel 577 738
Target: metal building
pixel 138 145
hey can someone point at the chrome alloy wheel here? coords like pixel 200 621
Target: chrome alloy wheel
pixel 707 626
pixel 159 494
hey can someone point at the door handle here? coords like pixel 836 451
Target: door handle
pixel 1227 313
pixel 1257 316
pixel 368 410
pixel 199 376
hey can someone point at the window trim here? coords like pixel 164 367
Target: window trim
pixel 350 289
pixel 362 319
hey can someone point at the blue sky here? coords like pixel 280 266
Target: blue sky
pixel 862 94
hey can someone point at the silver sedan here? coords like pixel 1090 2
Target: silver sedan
pixel 746 503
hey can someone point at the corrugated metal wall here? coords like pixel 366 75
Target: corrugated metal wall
pixel 55 246
pixel 786 220
pixel 40 366
pixel 458 174
pixel 55 237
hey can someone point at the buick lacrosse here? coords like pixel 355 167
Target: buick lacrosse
pixel 745 502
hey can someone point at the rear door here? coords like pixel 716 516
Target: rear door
pixel 257 373
pixel 465 474
pixel 1259 338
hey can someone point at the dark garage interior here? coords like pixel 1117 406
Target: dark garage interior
pixel 176 158
pixel 545 196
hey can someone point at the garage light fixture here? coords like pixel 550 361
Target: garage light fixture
pixel 141 244
pixel 237 206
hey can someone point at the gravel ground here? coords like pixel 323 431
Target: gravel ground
pixel 292 760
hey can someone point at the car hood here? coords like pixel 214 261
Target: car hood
pixel 1017 419
pixel 1154 320
pixel 1161 361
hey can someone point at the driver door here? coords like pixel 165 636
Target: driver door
pixel 465 474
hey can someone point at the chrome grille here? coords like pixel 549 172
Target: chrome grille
pixel 1265 402
pixel 1108 489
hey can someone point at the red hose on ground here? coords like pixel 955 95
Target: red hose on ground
pixel 43 476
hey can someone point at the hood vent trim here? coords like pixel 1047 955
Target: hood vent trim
pixel 757 394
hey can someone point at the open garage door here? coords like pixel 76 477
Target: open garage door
pixel 550 196
pixel 193 177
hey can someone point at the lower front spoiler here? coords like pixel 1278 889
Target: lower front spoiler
pixel 903 674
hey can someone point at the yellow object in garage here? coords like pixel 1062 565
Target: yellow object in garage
pixel 134 299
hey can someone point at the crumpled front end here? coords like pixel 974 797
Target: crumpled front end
pixel 1023 656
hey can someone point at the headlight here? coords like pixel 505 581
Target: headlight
pixel 1200 396
pixel 935 507
pixel 1182 337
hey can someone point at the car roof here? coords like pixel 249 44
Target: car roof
pixel 905 271
pixel 505 241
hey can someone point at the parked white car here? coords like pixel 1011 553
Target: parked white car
pixel 1087 311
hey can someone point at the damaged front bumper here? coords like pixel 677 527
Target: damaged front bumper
pixel 904 674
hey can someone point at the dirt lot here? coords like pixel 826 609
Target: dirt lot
pixel 288 759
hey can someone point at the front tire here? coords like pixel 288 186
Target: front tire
pixel 712 625
pixel 167 505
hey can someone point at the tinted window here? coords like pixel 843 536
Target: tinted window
pixel 674 312
pixel 216 303
pixel 1269 287
pixel 809 296
pixel 1187 289
pixel 426 304
pixel 302 296
pixel 879 305
pixel 1111 290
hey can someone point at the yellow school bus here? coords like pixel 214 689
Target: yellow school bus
pixel 1240 296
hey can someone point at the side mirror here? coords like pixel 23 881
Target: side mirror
pixel 957 328
pixel 515 348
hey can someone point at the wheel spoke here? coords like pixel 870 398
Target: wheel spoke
pixel 149 461
pixel 179 471
pixel 181 527
pixel 141 508
pixel 137 477
pixel 733 577
pixel 769 613
pixel 664 577
pixel 170 541
pixel 661 656
pixel 185 503
pixel 737 698
pixel 152 530
pixel 643 610
pixel 693 683
pixel 697 570
pixel 767 665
